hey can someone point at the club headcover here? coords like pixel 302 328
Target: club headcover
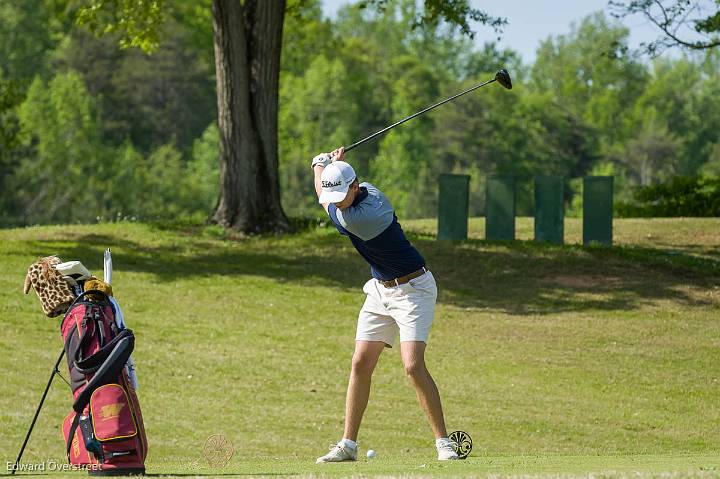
pixel 53 291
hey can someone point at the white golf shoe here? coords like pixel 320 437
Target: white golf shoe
pixel 447 451
pixel 339 453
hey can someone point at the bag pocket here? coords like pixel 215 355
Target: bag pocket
pixel 112 414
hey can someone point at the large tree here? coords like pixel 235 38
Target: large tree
pixel 247 68
pixel 247 43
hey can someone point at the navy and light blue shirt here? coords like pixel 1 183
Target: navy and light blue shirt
pixel 373 229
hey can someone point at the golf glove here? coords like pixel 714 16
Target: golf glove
pixel 323 159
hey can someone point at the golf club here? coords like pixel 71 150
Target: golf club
pixel 502 77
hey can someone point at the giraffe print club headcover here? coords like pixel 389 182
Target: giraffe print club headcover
pixel 53 291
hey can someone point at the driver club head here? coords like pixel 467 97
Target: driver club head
pixel 503 78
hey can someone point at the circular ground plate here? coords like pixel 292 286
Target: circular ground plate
pixel 464 442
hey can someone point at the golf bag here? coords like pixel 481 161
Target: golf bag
pixel 104 432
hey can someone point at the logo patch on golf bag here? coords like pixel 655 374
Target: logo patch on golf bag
pixel 104 432
pixel 111 410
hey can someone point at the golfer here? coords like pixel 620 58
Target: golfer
pixel 400 297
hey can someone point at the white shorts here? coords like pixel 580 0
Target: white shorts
pixel 409 308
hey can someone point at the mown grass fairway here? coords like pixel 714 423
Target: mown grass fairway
pixel 557 360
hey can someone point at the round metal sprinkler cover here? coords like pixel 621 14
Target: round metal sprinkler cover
pixel 464 442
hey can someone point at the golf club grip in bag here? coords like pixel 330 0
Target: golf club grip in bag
pixel 104 432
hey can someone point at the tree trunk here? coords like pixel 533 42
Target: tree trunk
pixel 248 38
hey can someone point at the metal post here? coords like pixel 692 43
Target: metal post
pixel 500 208
pixel 549 211
pixel 453 207
pixel 597 210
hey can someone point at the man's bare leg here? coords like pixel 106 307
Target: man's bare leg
pixel 365 358
pixel 413 357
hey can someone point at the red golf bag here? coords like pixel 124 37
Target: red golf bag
pixel 104 432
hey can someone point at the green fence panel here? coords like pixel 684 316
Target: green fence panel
pixel 549 211
pixel 597 209
pixel 453 207
pixel 500 208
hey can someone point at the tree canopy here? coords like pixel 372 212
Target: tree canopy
pixel 90 131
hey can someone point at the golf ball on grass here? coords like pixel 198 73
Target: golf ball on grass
pixel 371 453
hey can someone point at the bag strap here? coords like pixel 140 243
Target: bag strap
pixel 94 313
pixel 93 362
pixel 79 300
pixel 83 334
pixel 111 367
pixel 71 434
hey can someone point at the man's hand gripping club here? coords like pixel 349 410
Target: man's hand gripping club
pixel 320 162
pixel 324 159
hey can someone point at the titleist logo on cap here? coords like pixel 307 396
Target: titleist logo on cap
pixel 331 184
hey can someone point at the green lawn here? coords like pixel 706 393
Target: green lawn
pixel 559 361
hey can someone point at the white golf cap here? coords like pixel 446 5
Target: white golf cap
pixel 336 179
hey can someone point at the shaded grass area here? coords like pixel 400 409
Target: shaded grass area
pixel 565 357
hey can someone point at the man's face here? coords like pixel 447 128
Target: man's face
pixel 350 197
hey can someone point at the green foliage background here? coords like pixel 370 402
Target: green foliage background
pixel 92 132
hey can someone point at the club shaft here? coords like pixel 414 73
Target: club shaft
pixel 37 412
pixel 348 148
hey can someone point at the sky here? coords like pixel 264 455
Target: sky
pixel 531 21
